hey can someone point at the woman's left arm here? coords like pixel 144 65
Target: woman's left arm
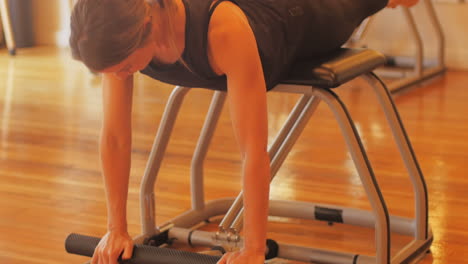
pixel 233 51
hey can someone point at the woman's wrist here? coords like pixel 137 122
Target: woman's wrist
pixel 255 249
pixel 117 227
pixel 117 216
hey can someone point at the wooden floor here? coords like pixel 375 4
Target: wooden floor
pixel 50 183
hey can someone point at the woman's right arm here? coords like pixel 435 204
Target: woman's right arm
pixel 115 150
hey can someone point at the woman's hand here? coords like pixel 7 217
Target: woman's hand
pixel 242 257
pixel 111 246
pixel 407 3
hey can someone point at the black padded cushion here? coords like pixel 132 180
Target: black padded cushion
pixel 335 69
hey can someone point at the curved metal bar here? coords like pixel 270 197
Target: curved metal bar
pixel 369 182
pixel 155 159
pixel 6 21
pixel 419 51
pixel 197 186
pixel 407 154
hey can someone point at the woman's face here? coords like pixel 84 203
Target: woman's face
pixel 137 61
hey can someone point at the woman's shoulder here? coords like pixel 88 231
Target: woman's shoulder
pixel 227 19
pixel 229 35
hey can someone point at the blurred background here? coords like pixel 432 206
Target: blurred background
pixel 50 113
pixel 46 22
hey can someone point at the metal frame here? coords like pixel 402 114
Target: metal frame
pixel 181 227
pixel 422 68
pixel 6 22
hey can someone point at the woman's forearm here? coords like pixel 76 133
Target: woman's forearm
pixel 256 182
pixel 115 147
pixel 115 162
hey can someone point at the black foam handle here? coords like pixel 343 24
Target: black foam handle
pixel 85 245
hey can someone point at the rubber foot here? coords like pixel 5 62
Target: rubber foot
pixel 12 52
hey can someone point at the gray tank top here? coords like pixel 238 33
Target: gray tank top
pixel 285 31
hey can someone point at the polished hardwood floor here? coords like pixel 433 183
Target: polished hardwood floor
pixel 50 182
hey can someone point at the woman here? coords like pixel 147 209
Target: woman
pixel 245 47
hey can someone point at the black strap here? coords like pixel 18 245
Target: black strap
pixel 273 249
pixel 213 7
pixel 189 239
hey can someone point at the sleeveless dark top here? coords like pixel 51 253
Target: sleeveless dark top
pixel 285 30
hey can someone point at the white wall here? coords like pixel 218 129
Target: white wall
pixel 51 22
pixel 387 33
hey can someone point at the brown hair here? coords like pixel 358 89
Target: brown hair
pixel 105 32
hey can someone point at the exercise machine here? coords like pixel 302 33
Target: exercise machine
pixel 315 81
pixel 6 22
pixel 404 71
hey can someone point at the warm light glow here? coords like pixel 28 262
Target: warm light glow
pixel 377 132
pixel 283 188
pixel 5 128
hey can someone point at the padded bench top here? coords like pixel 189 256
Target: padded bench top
pixel 336 69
